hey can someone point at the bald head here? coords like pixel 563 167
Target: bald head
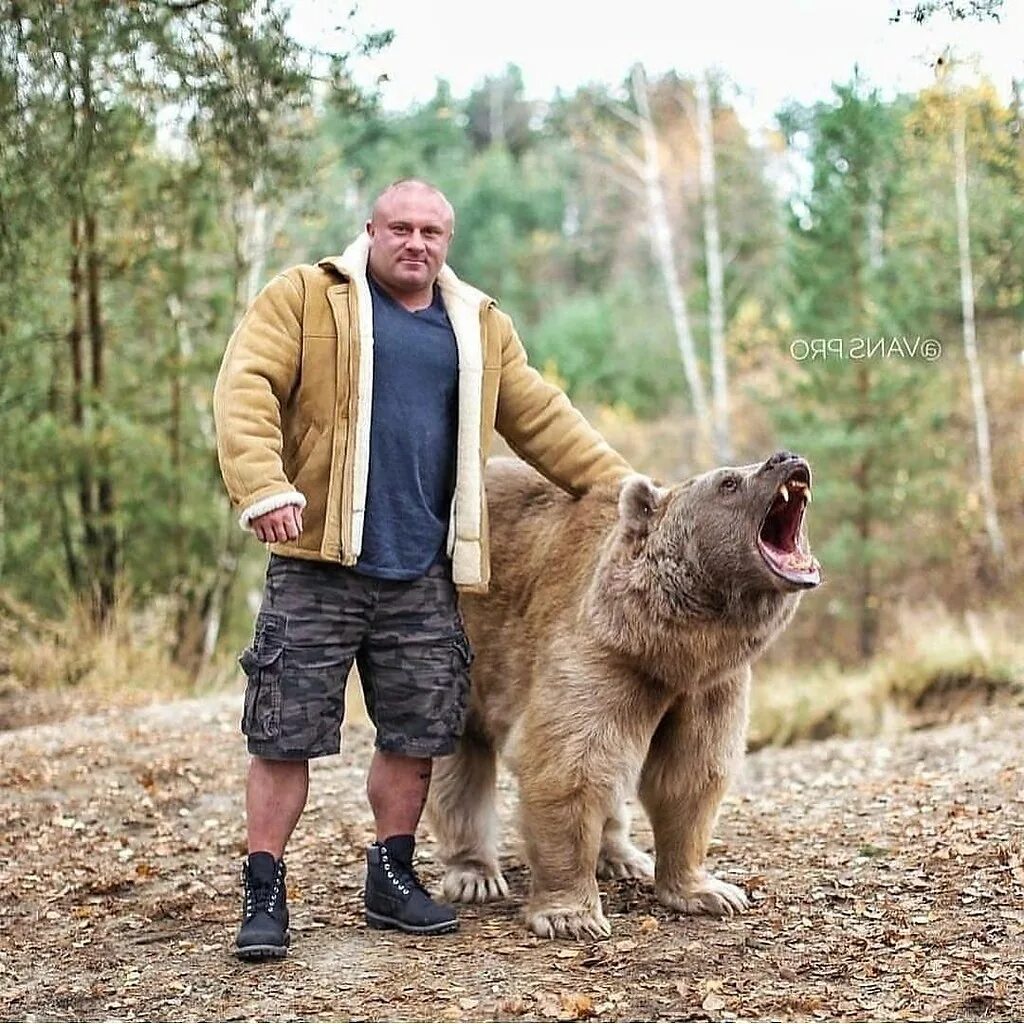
pixel 410 230
pixel 411 185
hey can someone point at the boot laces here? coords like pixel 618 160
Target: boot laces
pixel 261 895
pixel 402 876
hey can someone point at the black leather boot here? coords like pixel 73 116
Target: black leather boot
pixel 395 898
pixel 263 934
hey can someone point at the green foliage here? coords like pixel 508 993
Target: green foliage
pixel 508 227
pixel 606 349
pixel 971 10
pixel 498 114
pixel 860 418
pixel 165 127
pixel 129 135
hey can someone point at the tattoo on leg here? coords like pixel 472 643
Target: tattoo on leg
pixel 425 779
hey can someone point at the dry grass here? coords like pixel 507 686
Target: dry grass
pixel 936 667
pixel 51 669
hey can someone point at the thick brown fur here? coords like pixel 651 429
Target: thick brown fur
pixel 612 657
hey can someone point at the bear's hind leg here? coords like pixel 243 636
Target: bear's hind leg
pixel 462 812
pixel 619 858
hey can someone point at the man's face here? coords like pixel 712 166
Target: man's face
pixel 410 231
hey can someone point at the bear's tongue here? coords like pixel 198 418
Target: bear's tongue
pixel 779 541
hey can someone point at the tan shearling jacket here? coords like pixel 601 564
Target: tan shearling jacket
pixel 292 408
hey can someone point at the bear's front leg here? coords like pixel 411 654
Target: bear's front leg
pixel 583 754
pixel 562 825
pixel 578 749
pixel 696 750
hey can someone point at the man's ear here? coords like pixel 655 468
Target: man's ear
pixel 638 501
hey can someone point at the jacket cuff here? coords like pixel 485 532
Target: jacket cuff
pixel 265 505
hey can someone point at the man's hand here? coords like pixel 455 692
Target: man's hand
pixel 278 526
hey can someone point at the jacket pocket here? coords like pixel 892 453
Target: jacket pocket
pixel 305 447
pixel 262 663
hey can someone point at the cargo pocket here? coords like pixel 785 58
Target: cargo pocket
pixel 463 650
pixel 462 658
pixel 262 663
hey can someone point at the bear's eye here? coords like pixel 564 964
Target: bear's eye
pixel 728 485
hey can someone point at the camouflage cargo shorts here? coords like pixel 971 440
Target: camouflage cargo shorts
pixel 406 638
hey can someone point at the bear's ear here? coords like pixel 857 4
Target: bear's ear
pixel 638 500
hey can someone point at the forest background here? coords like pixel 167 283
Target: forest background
pixel 700 292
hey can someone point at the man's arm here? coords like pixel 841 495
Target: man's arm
pixel 257 374
pixel 543 427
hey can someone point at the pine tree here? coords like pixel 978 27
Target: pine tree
pixel 862 421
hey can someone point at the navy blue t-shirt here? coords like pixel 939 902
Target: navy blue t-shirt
pixel 413 434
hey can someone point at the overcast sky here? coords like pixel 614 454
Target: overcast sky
pixel 773 50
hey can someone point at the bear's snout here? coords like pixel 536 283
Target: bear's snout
pixel 779 458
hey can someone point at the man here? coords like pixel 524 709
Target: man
pixel 355 407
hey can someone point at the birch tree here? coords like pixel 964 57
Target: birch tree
pixel 972 356
pixel 715 276
pixel 660 231
pixel 255 227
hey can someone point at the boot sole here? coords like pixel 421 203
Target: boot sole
pixel 381 922
pixel 263 952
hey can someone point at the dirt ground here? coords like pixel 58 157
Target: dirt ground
pixel 887 879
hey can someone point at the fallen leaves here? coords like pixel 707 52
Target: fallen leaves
pixel 577 1005
pixel 881 891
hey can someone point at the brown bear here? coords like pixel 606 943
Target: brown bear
pixel 613 656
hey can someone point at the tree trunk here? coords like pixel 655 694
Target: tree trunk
pixel 661 244
pixel 977 383
pixel 866 237
pixel 204 605
pixel 867 600
pixel 715 276
pixel 64 518
pixel 83 469
pixel 253 239
pixel 107 554
pixel 179 345
pixel 496 110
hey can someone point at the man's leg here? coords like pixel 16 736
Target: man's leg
pixel 274 798
pixel 397 788
pixel 306 634
pixel 275 795
pixel 414 670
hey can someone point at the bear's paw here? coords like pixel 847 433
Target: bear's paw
pixel 624 861
pixel 568 923
pixel 706 895
pixel 471 883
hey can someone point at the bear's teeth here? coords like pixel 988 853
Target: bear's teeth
pixel 784 492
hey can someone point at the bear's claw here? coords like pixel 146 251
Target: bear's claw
pixel 564 923
pixel 468 884
pixel 709 896
pixel 624 862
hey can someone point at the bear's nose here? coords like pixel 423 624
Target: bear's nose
pixel 779 458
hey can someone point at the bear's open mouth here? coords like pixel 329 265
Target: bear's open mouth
pixel 781 538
